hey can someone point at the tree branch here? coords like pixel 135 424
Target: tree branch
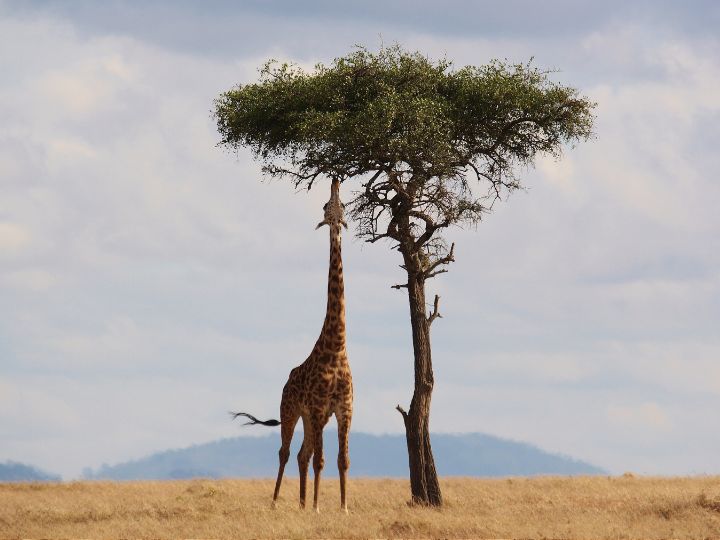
pixel 429 232
pixel 402 411
pixel 429 223
pixel 447 259
pixel 298 178
pixel 370 182
pixel 501 138
pixel 375 237
pixel 433 274
pixel 435 313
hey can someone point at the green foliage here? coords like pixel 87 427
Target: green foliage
pixel 410 128
pixel 368 111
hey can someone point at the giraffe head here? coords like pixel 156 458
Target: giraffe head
pixel 334 208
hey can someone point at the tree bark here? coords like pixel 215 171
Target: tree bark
pixel 424 484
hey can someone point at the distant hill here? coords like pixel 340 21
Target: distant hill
pixel 472 454
pixel 11 471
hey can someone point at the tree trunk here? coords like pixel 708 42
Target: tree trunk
pixel 424 483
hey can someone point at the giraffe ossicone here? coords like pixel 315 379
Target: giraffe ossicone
pixel 322 385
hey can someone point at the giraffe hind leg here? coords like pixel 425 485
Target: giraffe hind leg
pixel 286 433
pixel 343 460
pixel 318 461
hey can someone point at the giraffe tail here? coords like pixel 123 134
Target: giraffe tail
pixel 252 420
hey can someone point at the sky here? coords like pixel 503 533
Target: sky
pixel 151 281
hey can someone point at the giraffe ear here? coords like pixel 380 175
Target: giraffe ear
pixel 344 223
pixel 320 224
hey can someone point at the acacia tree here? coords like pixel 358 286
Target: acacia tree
pixel 428 146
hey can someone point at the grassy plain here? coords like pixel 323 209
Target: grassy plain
pixel 548 507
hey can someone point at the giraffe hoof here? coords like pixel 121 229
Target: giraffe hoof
pixel 317 509
pixel 344 509
pixel 273 505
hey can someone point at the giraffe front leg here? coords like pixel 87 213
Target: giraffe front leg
pixel 318 462
pixel 343 460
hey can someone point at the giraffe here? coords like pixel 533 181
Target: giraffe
pixel 322 385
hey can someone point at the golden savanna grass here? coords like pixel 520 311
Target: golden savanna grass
pixel 548 507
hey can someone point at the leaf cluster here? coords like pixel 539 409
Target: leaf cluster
pixel 432 145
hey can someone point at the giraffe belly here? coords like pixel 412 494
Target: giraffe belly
pixel 326 395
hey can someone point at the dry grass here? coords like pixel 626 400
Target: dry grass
pixel 592 507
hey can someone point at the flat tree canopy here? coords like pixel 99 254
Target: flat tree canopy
pixel 399 111
pixel 428 145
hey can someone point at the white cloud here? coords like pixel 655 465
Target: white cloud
pixel 34 280
pixel 13 237
pixel 80 93
pixel 561 174
pixel 67 153
pixel 643 417
pixel 175 285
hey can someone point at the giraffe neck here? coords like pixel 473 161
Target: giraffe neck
pixel 332 337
